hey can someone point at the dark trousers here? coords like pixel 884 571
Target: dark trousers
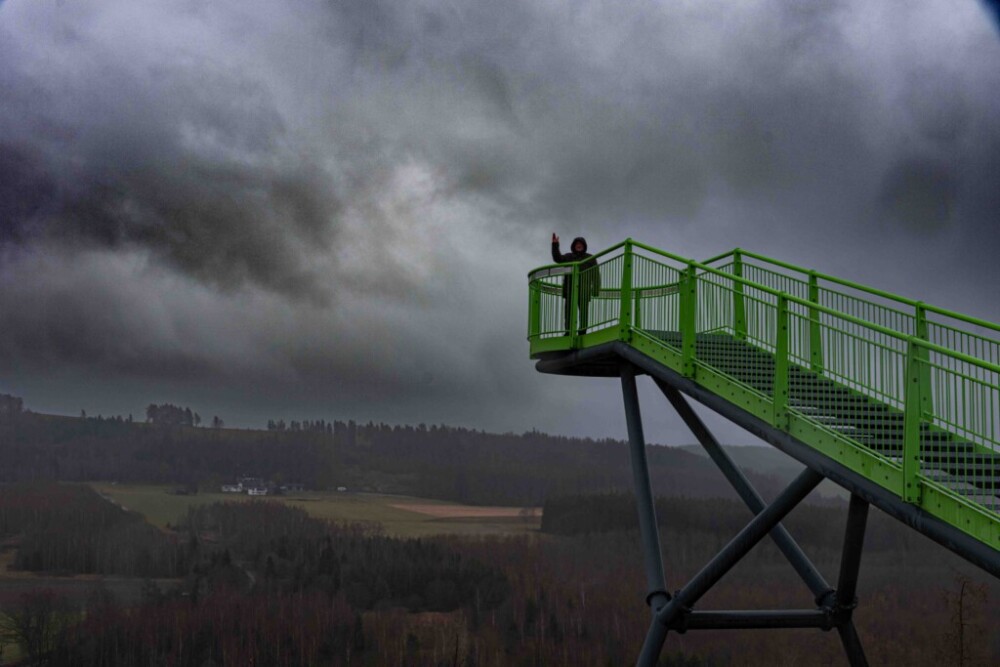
pixel 581 321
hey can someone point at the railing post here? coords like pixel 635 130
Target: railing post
pixel 912 417
pixel 534 308
pixel 688 317
pixel 739 305
pixel 574 301
pixel 780 386
pixel 637 308
pixel 924 358
pixel 625 309
pixel 815 339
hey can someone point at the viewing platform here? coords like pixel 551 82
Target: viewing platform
pixel 895 400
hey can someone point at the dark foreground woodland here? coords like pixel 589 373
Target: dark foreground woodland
pixel 263 583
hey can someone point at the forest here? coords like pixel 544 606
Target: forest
pixel 263 583
pixel 248 583
pixel 817 526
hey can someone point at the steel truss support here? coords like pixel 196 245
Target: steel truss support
pixel 657 596
pixel 847 582
pixel 822 592
pixel 834 607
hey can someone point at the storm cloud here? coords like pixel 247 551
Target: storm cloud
pixel 327 209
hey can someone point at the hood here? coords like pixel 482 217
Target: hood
pixel 578 239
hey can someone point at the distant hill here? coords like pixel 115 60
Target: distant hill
pixel 443 462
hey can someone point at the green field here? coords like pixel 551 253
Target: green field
pixel 160 507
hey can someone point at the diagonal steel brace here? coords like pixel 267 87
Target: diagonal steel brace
pixel 724 561
pixel 821 590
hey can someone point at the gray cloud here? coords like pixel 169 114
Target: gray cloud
pixel 329 207
pixel 919 192
pixel 188 165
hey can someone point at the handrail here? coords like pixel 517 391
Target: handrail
pixel 548 271
pixel 955 354
pixel 817 338
pixel 832 311
pixel 865 288
pixel 658 290
pixel 728 253
pixel 791 298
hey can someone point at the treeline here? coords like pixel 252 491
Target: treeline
pixel 35 447
pixel 11 407
pixel 70 528
pixel 819 527
pixel 317 426
pixel 431 461
pixel 519 469
pixel 168 414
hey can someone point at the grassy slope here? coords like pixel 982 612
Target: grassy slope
pixel 161 508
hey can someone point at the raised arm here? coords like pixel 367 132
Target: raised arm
pixel 556 254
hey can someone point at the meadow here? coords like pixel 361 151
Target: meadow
pixel 399 516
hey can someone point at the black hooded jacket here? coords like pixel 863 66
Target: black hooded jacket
pixel 590 277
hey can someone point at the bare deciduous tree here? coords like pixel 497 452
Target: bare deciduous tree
pixel 37 622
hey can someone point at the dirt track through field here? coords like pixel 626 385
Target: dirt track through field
pixel 466 511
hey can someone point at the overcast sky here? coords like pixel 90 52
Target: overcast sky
pixel 313 209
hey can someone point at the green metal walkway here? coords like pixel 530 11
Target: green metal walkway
pixel 895 400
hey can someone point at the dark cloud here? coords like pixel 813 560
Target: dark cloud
pixel 182 163
pixel 25 190
pixel 919 192
pixel 335 203
pixel 994 7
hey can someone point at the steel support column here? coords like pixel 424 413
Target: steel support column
pixel 821 590
pixel 657 595
pixel 724 561
pixel 835 607
pixel 847 581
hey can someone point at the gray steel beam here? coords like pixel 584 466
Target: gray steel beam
pixel 657 595
pixel 724 561
pixel 847 582
pixel 850 560
pixel 852 644
pixel 821 590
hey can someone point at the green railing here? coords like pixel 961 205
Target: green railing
pixel 905 393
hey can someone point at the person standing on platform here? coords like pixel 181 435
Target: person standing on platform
pixel 590 280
